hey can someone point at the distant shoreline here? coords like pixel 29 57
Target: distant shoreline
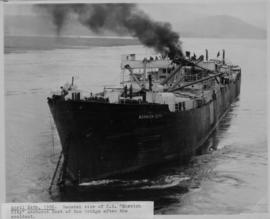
pixel 71 36
pixel 21 43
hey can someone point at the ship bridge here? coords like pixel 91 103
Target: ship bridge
pixel 139 71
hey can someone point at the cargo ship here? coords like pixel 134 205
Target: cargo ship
pixel 164 109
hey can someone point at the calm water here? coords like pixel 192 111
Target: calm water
pixel 230 178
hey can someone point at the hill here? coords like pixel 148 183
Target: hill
pixel 220 26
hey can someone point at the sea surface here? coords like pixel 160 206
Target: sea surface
pixel 229 177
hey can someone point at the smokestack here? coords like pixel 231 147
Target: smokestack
pixel 150 82
pixel 121 19
pixel 188 54
pixel 223 57
pixel 206 54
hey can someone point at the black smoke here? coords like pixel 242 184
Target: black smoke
pixel 120 19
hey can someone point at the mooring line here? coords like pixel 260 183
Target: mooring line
pixel 55 172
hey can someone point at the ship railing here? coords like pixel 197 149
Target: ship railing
pixel 192 77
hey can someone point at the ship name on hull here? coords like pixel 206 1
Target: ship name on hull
pixel 150 116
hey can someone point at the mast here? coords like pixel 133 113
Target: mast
pixel 72 81
pixel 144 72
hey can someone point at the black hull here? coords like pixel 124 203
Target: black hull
pixel 102 139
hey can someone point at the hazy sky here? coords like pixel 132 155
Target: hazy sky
pixel 253 12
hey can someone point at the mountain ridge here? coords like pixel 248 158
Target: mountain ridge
pixel 221 26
